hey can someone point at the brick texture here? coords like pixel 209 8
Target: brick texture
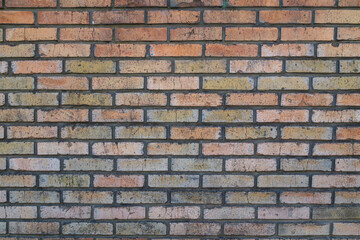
pixel 179 119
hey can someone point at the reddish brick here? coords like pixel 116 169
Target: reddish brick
pixel 306 99
pixel 173 16
pixel 16 17
pixel 228 148
pixel 349 33
pixel 140 3
pixel 122 115
pixel 309 3
pixel 229 16
pixel 85 34
pixel 63 83
pixel 196 34
pixel 84 3
pixel 348 133
pixel 252 99
pixel 31 67
pixel 253 3
pixel 196 3
pixel 233 50
pixel 251 34
pixel 118 17
pixel 30 3
pixel 64 50
pixel 307 34
pixel 125 181
pixel 63 17
pixel 141 34
pixel 120 50
pixel 176 50
pixel 285 16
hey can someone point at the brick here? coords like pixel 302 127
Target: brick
pixel 251 99
pixel 284 213
pixel 174 212
pixel 4 67
pixel 342 50
pixel 227 148
pixel 84 228
pixel 195 133
pixel 31 34
pixel 84 3
pixel 85 34
pixel 348 33
pixel 34 164
pixel 88 164
pixel 17 180
pixel 36 66
pixel 250 132
pixel 120 50
pixel 228 83
pixel 140 228
pixel 143 132
pixel 173 181
pixel 195 99
pixel 202 229
pixel 145 66
pixel 307 34
pixel 251 34
pixel 337 16
pixel 173 83
pixel 63 115
pixel 196 164
pixel 250 165
pixel 64 50
pixel 336 181
pixel 89 197
pixel 304 229
pixel 308 133
pixel 200 66
pixel 141 197
pixel 90 132
pixel 348 133
pixel 2 99
pixel 121 148
pixel 254 3
pixel 62 148
pixel 21 50
pixel 16 115
pixel 173 149
pixel 34 197
pixel 195 3
pixel 196 34
pixel 20 132
pixel 336 83
pixel 282 116
pixel 119 213
pixel 2 163
pixel 229 213
pixel 229 16
pixel 250 197
pixel 145 164
pixel 309 3
pixel 33 228
pixel 228 181
pixel 16 83
pixel 349 66
pixel 140 3
pixel 349 3
pixel 177 115
pixel 16 17
pixel 293 164
pixel 227 116
pixel 332 149
pixel 283 148
pixel 73 212
pixel 285 16
pixel 305 197
pixel 33 99
pixel 64 181
pixel 314 66
pixel 233 50
pixel 30 3
pixel 141 99
pixel 118 17
pixel 124 181
pixel 255 66
pixel 141 34
pixel 196 197
pixel 336 116
pixel 347 197
pixel 343 213
pixel 173 16
pixel 118 83
pixel 283 181
pixel 305 99
pixel 63 17
pixel 95 99
pixel 287 50
pixel 86 66
pixel 249 229
pixel 16 148
pixel 346 229
pixel 18 212
pixel 63 83
pixel 122 115
pixel 175 50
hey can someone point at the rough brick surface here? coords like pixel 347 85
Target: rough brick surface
pixel 179 119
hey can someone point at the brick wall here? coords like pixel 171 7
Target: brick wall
pixel 181 119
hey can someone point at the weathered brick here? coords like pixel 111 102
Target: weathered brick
pixel 64 180
pixel 16 115
pixel 62 115
pixel 2 163
pixel 17 180
pixel 196 197
pixel 336 181
pixel 118 83
pixel 141 228
pixel 141 34
pixel 229 16
pixel 64 50
pixel 85 34
pixel 62 148
pixel 293 164
pixel 200 66
pixel 173 181
pixel 227 116
pixel 72 212
pixel 122 115
pixel 120 50
pixel 309 3
pixel 21 212
pixel 195 229
pixel 287 50
pixel 195 99
pixel 141 99
pixel 309 133
pixel 125 181
pixel 284 213
pixel 35 66
pixel 347 165
pixel 63 83
pixel 88 164
pixel 94 99
pixel 86 66
pixel 118 17
pixel 17 17
pixel 145 66
pixel 94 132
pixel 196 34
pixel 336 116
pixel 119 213
pixel 252 99
pixel 305 197
pixel 349 66
pixel 131 197
pixel 19 132
pixel 140 3
pixel 227 181
pixel 173 16
pixel 249 229
pixel 283 148
pixel 250 197
pixel 231 50
pixel 316 66
pixel 31 34
pixel 173 149
pixel 306 99
pixel 347 197
pixel 121 148
pixel 33 99
pixel 346 229
pixel 307 34
pixel 174 212
pixel 348 133
pixel 34 197
pixel 336 83
pixel 84 3
pixel 195 133
pixel 32 228
pixel 172 115
pixel 342 50
pixel 63 17
pixel 22 50
pixel 84 228
pixel 4 67
pixel 173 83
pixel 283 181
pixel 227 148
pixel 228 83
pixel 142 164
pixel 195 3
pixel 343 213
pixel 250 132
pixel 30 3
pixel 229 213
pixel 89 197
pixel 285 16
pixel 337 16
pixel 304 229
pixel 16 148
pixel 282 116
pixel 250 165
pixel 16 83
pixel 143 132
pixel 349 3
pixel 34 164
pixel 251 34
pixel 255 66
pixel 192 164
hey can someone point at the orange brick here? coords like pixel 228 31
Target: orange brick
pixel 283 148
pixel 282 116
pixel 99 83
pixel 120 50
pixel 349 3
pixel 348 133
pixel 229 16
pixel 306 99
pixel 140 3
pixel 348 33
pixel 122 115
pixel 251 34
pixel 113 149
pixel 250 165
pixel 231 50
pixel 287 50
pixel 30 3
pixel 176 50
pixel 173 16
pixel 16 17
pixel 196 34
pixel 63 115
pixel 125 181
pixel 251 99
pixel 228 148
pixel 30 67
pixel 31 34
pixel 141 34
pixel 63 83
pixel 195 99
pixel 84 3
pixel 85 34
pixel 334 149
pixel 255 66
pixel 173 83
pixel 195 132
pixel 337 16
pixel 307 34
pixel 118 17
pixel 285 16
pixel 63 17
pixel 253 3
pixel 348 99
pixel 196 3
pixel 141 99
pixel 31 132
pixel 309 3
pixel 64 50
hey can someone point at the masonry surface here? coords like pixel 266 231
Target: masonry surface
pixel 179 119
